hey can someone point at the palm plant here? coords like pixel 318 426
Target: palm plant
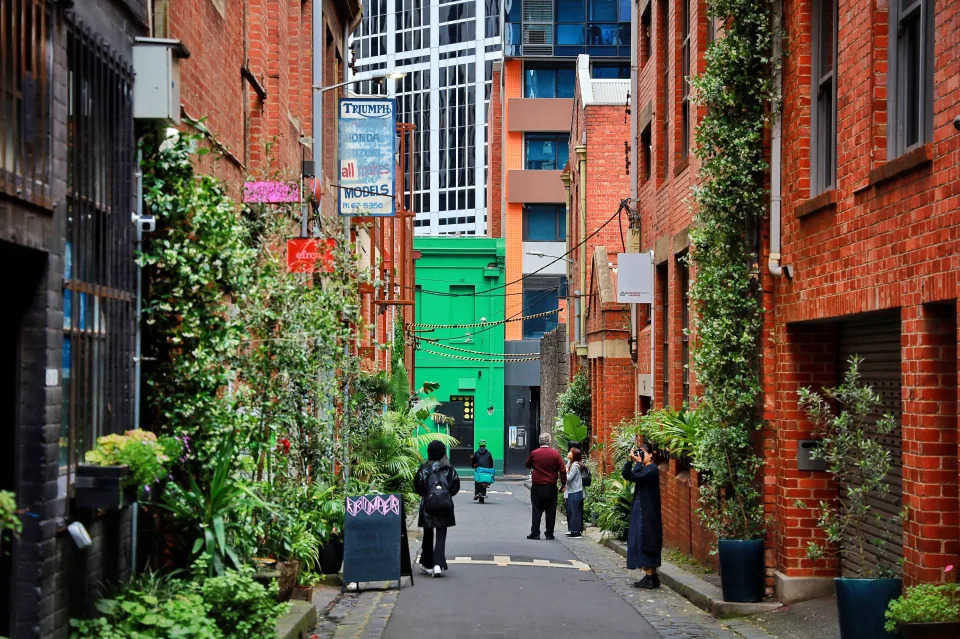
pixel 674 431
pixel 388 457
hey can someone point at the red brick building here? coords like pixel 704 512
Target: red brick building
pixel 597 180
pixel 860 255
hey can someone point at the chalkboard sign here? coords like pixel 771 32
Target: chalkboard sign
pixel 375 544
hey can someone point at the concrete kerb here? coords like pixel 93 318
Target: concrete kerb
pixel 298 621
pixel 699 592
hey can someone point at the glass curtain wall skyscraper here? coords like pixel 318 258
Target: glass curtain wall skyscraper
pixel 446 50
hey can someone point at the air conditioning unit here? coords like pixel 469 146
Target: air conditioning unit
pixel 156 87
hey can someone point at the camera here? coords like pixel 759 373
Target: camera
pixel 638 452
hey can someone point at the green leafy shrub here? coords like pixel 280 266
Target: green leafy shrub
pixel 924 603
pixel 240 607
pixel 576 398
pixel 150 607
pixel 676 432
pixel 149 458
pixel 570 429
pixel 231 606
pixel 613 507
pixel 854 457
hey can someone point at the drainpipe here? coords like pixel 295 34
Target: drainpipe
pixel 773 262
pixel 319 48
pixel 634 203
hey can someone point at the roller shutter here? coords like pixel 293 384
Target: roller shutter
pixel 876 339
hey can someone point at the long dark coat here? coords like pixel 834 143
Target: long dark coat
pixel 645 536
pixel 420 486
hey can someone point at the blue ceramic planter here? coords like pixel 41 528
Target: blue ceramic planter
pixel 861 604
pixel 741 569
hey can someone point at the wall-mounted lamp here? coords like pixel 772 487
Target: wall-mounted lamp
pixel 552 257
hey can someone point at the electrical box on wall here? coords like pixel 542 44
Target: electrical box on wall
pixel 156 87
pixel 805 460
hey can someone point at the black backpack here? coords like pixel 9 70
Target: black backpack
pixel 438 500
pixel 585 476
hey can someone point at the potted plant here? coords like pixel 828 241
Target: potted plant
pixel 857 460
pixel 121 466
pixel 927 611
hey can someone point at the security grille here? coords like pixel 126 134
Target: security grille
pixel 876 339
pixel 99 284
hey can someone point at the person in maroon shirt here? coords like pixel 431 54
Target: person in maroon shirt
pixel 546 467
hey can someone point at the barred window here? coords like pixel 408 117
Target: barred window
pixel 25 100
pixel 99 275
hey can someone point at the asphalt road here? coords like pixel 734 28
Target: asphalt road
pixel 510 586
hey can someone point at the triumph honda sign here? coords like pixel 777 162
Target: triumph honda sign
pixel 367 152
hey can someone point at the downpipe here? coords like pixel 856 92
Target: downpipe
pixel 773 261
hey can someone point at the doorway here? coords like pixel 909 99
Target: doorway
pixel 19 293
pixel 461 409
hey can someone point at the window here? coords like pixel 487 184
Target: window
pixel 546 81
pixel 544 223
pixel 685 80
pixel 610 71
pixel 683 274
pixel 645 37
pixel 910 75
pixel 603 10
pixel 99 272
pixel 662 33
pixel 570 11
pixel 541 298
pixel 646 154
pixel 823 124
pixel 24 100
pixel 546 151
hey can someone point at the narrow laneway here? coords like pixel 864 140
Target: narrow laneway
pixel 501 584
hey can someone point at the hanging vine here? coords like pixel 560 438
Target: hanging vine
pixel 739 94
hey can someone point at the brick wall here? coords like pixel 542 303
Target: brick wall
pixel 553 372
pixel 883 238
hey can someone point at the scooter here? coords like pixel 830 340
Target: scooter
pixel 483 477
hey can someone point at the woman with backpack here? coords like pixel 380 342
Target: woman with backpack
pixel 573 495
pixel 436 482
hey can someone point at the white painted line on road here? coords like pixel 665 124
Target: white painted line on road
pixel 497 492
pixel 502 560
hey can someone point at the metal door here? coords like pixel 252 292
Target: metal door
pixel 461 409
pixel 876 339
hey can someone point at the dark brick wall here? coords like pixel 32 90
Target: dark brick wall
pixel 51 579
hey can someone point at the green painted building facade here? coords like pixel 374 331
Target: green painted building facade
pixel 471 389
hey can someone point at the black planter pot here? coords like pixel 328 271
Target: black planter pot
pixel 930 630
pixel 741 569
pixel 331 556
pixel 101 487
pixel 861 604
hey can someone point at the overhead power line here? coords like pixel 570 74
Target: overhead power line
pixel 465 350
pixel 490 324
pixel 480 359
pixel 623 205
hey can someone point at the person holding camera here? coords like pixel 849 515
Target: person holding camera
pixel 645 535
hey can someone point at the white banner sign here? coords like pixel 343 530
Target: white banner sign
pixel 635 278
pixel 367 148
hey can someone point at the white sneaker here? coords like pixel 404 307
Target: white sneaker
pixel 437 570
pixel 425 570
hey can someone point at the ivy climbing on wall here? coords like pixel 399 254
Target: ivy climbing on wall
pixel 738 91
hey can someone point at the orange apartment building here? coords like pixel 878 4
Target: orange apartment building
pixel 531 110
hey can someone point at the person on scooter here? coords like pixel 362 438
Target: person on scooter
pixel 482 458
